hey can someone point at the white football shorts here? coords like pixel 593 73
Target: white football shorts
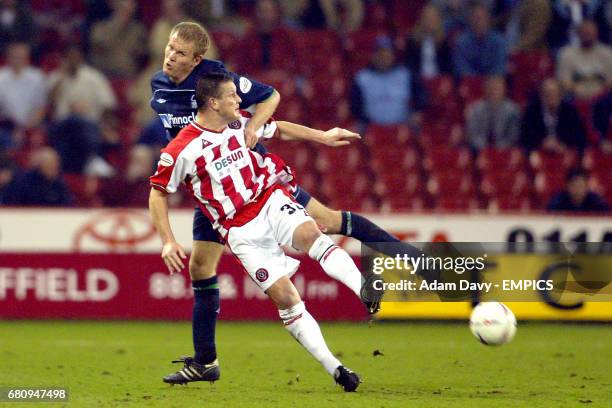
pixel 257 244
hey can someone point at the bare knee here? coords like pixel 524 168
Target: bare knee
pixel 305 235
pixel 329 220
pixel 204 260
pixel 284 294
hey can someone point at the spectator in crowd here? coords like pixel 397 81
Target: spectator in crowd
pixel 585 70
pixel 78 88
pixel 269 44
pixel 602 116
pixel 551 122
pixel 568 15
pixel 479 50
pixel 117 42
pixel 455 13
pixel 427 50
pixel 386 93
pixel 76 141
pixel 9 174
pixel 16 23
pixel 577 197
pixel 42 185
pixel 494 120
pixel 528 25
pixel 153 135
pixel 23 99
pixel 129 189
pixel 339 15
pixel 80 96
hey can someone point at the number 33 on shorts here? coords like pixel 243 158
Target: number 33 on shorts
pixel 292 208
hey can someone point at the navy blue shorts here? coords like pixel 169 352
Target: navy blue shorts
pixel 203 230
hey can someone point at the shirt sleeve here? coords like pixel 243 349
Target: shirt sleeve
pixel 268 130
pixel 251 92
pixel 172 169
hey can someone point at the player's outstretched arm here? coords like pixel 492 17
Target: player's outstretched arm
pixel 172 252
pixel 334 137
pixel 263 112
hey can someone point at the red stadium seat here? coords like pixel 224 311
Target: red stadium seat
pixel 391 159
pixel 282 50
pixel 309 179
pixel 585 109
pixel 404 183
pixel 346 191
pixel 387 135
pixel 510 203
pixel 447 159
pixel 601 182
pixel 282 81
pixel 317 50
pixel 450 183
pixel 121 88
pixel 298 155
pixel 225 41
pixel 396 203
pixel 528 69
pixel 504 183
pixel 556 162
pixel 359 46
pixel 596 160
pixel 457 203
pixel 317 90
pixel 440 88
pixel 405 16
pixel 492 159
pixel 440 135
pixel 471 88
pixel 340 159
pixel 326 98
pixel 376 16
pixel 292 110
pixel 84 190
pixel 546 185
pixel 366 203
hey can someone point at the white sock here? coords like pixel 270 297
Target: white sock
pixel 304 328
pixel 336 263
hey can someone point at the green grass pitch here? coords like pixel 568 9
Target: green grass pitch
pixel 422 365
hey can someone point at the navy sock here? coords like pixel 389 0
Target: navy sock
pixel 364 230
pixel 205 312
pixel 371 235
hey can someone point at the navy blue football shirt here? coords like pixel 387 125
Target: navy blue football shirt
pixel 176 104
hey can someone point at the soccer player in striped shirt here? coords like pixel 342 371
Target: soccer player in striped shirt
pixel 246 197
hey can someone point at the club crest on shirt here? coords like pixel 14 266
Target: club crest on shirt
pixel 235 125
pixel 245 85
pixel 261 274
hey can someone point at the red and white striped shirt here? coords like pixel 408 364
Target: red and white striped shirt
pixel 220 172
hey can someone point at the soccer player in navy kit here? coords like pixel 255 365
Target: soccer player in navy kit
pixel 174 100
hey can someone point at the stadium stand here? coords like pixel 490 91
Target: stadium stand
pixel 393 168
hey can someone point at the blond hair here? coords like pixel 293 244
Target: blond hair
pixel 194 33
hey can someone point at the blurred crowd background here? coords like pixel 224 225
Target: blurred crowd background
pixel 463 105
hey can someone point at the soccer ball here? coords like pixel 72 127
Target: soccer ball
pixel 493 323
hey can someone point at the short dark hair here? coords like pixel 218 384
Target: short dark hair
pixel 208 86
pixel 576 172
